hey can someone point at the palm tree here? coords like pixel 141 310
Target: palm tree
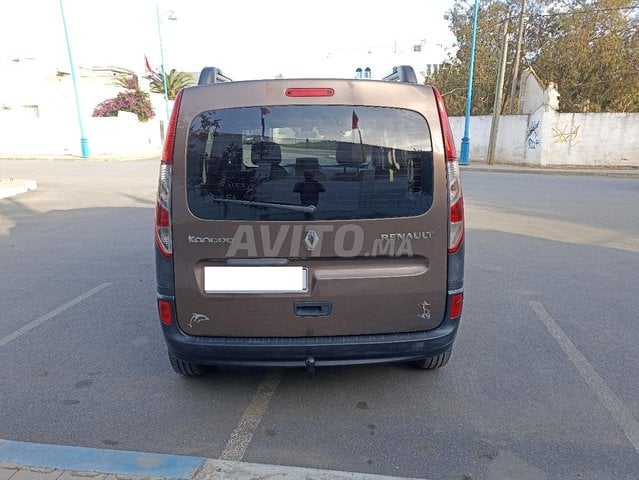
pixel 174 82
pixel 129 82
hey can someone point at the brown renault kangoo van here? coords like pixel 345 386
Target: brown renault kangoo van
pixel 313 222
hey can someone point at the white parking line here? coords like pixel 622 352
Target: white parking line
pixel 243 433
pixel 39 321
pixel 606 396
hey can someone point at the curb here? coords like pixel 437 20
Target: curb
pixel 79 459
pixel 95 158
pixel 13 186
pixel 576 171
pixel 18 460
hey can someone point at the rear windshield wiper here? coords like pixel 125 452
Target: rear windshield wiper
pixel 283 206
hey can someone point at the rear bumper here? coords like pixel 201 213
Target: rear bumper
pixel 294 351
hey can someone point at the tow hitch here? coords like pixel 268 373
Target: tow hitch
pixel 310 367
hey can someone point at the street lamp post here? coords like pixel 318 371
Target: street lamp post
pixel 166 89
pixel 465 144
pixel 84 143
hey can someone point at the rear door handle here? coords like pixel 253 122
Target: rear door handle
pixel 312 309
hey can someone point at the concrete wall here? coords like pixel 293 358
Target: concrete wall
pixel 120 136
pixel 510 147
pixel 551 138
pixel 50 126
pixel 531 92
pixel 592 139
pixel 542 138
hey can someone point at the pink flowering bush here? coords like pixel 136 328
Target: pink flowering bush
pixel 133 100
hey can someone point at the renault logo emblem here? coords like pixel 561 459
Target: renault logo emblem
pixel 311 239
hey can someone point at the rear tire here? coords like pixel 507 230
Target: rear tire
pixel 433 362
pixel 185 368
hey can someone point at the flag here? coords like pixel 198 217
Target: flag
pixel 355 121
pixel 148 67
pixel 355 126
pixel 264 111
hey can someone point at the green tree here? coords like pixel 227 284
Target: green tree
pixel 588 47
pixel 594 58
pixel 452 78
pixel 175 81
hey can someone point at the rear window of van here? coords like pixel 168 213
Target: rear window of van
pixel 297 162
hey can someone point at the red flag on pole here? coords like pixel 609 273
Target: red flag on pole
pixel 355 121
pixel 264 111
pixel 148 67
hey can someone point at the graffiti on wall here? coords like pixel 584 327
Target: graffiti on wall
pixel 566 134
pixel 532 135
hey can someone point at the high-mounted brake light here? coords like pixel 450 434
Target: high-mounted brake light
pixel 163 235
pixel 310 92
pixel 455 196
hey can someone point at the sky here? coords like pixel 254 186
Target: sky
pixel 245 39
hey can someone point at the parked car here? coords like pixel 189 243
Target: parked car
pixel 313 222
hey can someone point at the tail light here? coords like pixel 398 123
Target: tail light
pixel 456 210
pixel 455 196
pixel 163 235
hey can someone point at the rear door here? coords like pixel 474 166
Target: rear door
pixel 309 208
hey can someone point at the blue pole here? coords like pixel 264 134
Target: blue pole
pixel 84 143
pixel 166 90
pixel 465 145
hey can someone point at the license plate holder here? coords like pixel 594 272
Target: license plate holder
pixel 255 280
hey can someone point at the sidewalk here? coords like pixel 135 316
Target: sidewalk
pixel 32 461
pixel 149 155
pixel 13 186
pixel 616 172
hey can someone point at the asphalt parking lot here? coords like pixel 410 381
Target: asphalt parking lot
pixel 543 381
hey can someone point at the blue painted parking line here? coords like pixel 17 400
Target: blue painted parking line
pixel 81 459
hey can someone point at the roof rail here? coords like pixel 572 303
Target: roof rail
pixel 210 75
pixel 401 73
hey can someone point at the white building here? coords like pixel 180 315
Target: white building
pixel 38 111
pixel 377 61
pixel 40 89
